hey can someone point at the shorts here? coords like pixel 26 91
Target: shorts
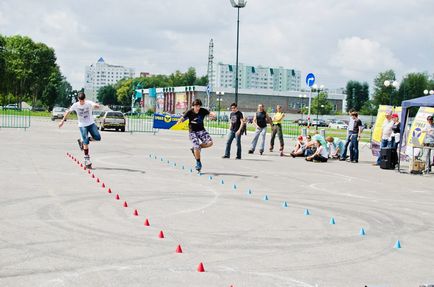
pixel 92 130
pixel 199 137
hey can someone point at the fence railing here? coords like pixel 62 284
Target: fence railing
pixel 14 118
pixel 141 123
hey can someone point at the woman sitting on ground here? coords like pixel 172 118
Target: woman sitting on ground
pixel 320 155
pixel 299 148
pixel 336 147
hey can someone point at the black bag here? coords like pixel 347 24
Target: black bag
pixel 388 158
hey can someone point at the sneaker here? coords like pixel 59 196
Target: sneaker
pixel 293 155
pixel 342 159
pixel 261 152
pixel 271 149
pixel 87 161
pixel 354 161
pixel 225 156
pixel 251 151
pixel 281 153
pixel 237 158
pixel 80 143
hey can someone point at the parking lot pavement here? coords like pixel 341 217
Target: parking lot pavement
pixel 244 220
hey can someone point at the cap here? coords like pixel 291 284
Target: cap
pixel 300 137
pixel 395 116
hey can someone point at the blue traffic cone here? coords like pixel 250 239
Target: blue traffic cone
pixel 266 197
pixel 174 164
pixel 332 221
pixel 222 181
pixel 191 170
pixel 183 167
pixel 249 191
pixel 234 187
pixel 362 232
pixel 306 212
pixel 285 204
pixel 161 159
pixel 210 177
pixel 397 245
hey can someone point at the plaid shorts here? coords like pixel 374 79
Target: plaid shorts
pixel 199 137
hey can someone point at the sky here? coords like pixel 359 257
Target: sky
pixel 337 40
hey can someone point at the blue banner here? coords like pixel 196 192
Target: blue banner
pixel 169 122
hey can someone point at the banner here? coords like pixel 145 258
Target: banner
pixel 181 101
pixel 415 135
pixel 169 122
pixel 378 127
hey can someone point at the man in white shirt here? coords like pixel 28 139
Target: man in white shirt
pixel 386 134
pixel 86 124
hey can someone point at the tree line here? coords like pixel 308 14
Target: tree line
pixel 29 72
pixel 410 86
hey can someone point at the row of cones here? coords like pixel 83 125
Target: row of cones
pixel 178 249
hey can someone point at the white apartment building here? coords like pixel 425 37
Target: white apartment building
pixel 101 74
pixel 256 77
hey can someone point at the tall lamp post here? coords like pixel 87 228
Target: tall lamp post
pixel 237 4
pixel 219 99
pixel 394 84
pixel 318 89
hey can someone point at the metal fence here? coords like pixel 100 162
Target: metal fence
pixel 217 127
pixel 141 123
pixel 14 118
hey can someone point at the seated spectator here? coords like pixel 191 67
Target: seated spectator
pixel 299 148
pixel 310 146
pixel 336 147
pixel 320 155
pixel 321 139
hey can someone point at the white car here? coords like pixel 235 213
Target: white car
pixel 57 113
pixel 338 125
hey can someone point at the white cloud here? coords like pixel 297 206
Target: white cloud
pixel 356 57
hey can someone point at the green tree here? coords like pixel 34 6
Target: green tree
pixel 64 93
pixel 412 86
pixel 357 95
pixel 51 90
pixel 2 70
pixel 124 91
pixel 321 105
pixel 369 108
pixel 382 93
pixel 107 95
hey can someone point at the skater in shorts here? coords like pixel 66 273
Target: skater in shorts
pixel 86 124
pixel 197 133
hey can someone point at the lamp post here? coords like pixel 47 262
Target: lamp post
pixel 219 99
pixel 318 89
pixel 394 84
pixel 426 92
pixel 237 4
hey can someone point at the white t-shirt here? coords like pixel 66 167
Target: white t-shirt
pixel 323 151
pixel 429 137
pixel 387 130
pixel 84 113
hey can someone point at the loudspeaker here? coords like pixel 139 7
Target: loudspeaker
pixel 389 158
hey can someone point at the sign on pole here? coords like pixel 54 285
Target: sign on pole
pixel 310 79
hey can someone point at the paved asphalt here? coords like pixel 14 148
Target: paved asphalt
pixel 59 227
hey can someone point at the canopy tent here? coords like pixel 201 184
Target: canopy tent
pixel 427 101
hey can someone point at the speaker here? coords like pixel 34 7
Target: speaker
pixel 389 158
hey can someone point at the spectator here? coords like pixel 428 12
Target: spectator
pixel 355 137
pixel 396 131
pixel 320 155
pixel 310 147
pixel 386 134
pixel 336 147
pixel 260 121
pixel 235 131
pixel 277 128
pixel 300 147
pixel 349 134
pixel 429 139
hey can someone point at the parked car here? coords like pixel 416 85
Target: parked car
pixel 57 113
pixel 97 114
pixel 112 120
pixel 338 125
pixel 319 123
pixel 302 122
pixel 11 107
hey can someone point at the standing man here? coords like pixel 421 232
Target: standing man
pixel 235 131
pixel 86 124
pixel 277 128
pixel 355 138
pixel 260 122
pixel 428 140
pixel 386 135
pixel 349 133
pixel 198 135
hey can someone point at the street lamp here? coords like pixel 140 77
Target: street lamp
pixel 237 4
pixel 394 84
pixel 219 99
pixel 426 92
pixel 318 90
pixel 301 104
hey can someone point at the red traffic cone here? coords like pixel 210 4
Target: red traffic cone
pixel 125 204
pixel 117 197
pixel 161 234
pixel 109 190
pixel 93 175
pixel 147 222
pixel 103 185
pixel 179 249
pixel 200 267
pixel 81 165
pixel 88 171
pixel 97 180
pixel 136 213
pixel 84 168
